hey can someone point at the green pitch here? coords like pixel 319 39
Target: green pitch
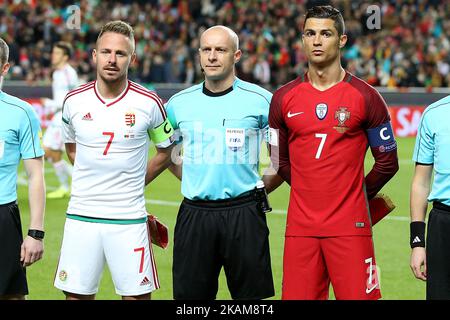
pixel 391 236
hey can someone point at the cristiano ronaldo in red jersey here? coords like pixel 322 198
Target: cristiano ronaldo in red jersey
pixel 322 124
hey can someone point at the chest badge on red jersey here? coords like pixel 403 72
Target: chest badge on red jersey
pixel 342 115
pixel 130 119
pixel 321 111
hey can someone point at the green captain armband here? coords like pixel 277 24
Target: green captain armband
pixel 162 132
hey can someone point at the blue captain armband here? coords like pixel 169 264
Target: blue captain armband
pixel 382 138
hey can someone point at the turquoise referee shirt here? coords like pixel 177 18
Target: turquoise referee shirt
pixel 222 135
pixel 433 147
pixel 20 134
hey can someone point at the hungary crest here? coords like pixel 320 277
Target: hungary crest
pixel 130 119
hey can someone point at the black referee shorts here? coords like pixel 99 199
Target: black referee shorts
pixel 229 233
pixel 12 275
pixel 438 253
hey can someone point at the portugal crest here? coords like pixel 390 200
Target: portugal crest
pixel 342 115
pixel 130 119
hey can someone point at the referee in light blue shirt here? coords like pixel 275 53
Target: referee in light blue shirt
pixel 432 153
pixel 221 222
pixel 19 138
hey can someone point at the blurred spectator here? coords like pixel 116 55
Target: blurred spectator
pixel 412 48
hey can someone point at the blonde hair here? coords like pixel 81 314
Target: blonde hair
pixel 4 52
pixel 120 27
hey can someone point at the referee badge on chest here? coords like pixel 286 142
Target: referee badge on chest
pixel 235 138
pixel 342 115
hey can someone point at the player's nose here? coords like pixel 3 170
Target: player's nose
pixel 212 55
pixel 112 58
pixel 317 41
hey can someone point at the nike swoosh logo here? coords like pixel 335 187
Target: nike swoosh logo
pixel 369 290
pixel 290 115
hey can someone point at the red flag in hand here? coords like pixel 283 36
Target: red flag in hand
pixel 159 233
pixel 380 206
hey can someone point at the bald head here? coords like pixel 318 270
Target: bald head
pixel 223 31
pixel 219 52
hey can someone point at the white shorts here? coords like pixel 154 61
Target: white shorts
pixel 53 135
pixel 126 249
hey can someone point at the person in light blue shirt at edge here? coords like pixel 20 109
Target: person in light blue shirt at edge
pixel 221 124
pixel 20 136
pixel 432 153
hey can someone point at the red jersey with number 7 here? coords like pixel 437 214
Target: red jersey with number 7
pixel 318 143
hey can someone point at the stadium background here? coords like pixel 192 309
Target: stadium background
pixel 407 59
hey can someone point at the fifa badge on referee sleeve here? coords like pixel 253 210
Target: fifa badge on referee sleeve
pixel 272 137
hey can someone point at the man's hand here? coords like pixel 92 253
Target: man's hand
pixel 31 251
pixel 418 260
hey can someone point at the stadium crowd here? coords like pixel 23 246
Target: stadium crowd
pixel 411 47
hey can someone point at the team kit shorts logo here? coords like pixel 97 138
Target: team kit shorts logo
pixel 321 111
pixel 63 275
pixel 145 282
pixel 342 115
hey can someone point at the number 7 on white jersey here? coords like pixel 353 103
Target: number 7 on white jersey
pixel 111 137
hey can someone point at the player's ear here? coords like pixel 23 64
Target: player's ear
pixel 5 69
pixel 133 57
pixel 237 56
pixel 94 55
pixel 342 40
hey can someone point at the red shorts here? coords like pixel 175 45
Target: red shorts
pixel 310 264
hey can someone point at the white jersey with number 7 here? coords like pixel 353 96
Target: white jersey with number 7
pixel 112 141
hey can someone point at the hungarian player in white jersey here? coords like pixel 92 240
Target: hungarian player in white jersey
pixel 106 128
pixel 64 79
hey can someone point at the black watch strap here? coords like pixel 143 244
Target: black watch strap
pixel 36 234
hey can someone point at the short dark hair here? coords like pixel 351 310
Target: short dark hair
pixel 65 47
pixel 4 52
pixel 327 12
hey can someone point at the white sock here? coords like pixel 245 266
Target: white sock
pixel 63 172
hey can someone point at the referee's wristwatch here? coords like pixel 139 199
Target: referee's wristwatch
pixel 36 234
